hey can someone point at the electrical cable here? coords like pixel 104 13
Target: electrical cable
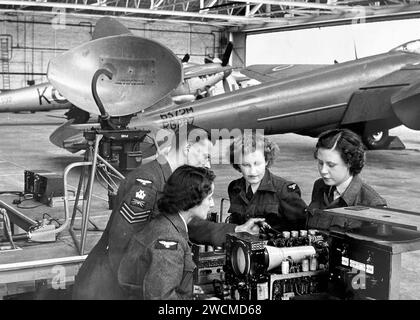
pixel 18 193
pixel 109 182
pixel 108 179
pixel 109 173
pixel 96 229
pixel 51 219
pixel 28 207
pixel 104 183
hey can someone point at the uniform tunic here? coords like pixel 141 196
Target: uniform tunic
pixel 357 193
pixel 136 203
pixel 208 232
pixel 158 263
pixel 277 200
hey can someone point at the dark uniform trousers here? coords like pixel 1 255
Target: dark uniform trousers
pixel 277 200
pixel 158 263
pixel 357 193
pixel 136 203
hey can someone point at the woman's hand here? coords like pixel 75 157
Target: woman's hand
pixel 251 226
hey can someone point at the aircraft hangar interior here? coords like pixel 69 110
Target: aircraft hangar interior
pixel 101 101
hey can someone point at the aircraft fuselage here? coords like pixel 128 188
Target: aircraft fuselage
pixel 34 98
pixel 302 103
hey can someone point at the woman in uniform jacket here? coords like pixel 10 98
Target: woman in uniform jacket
pixel 341 156
pixel 260 193
pixel 158 263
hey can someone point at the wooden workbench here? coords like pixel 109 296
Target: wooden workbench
pixel 53 264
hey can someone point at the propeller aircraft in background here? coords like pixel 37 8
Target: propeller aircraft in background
pixel 197 81
pixel 126 80
pixel 369 95
pixel 201 78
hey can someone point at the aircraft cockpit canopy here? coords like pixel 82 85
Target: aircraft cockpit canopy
pixel 411 47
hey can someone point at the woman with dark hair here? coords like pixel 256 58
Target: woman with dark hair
pixel 259 193
pixel 158 263
pixel 341 156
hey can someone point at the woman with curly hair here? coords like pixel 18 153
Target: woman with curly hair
pixel 260 193
pixel 341 156
pixel 158 263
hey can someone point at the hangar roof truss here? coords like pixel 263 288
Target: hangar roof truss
pixel 239 15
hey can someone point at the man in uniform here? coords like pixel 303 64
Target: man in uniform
pixel 158 261
pixel 135 205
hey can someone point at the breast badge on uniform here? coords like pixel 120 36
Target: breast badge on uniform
pixel 140 194
pixel 293 187
pixel 144 181
pixel 166 244
pixel 137 203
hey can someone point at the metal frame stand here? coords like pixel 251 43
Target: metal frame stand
pixel 85 189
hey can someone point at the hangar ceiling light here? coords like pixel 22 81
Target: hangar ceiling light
pixel 240 15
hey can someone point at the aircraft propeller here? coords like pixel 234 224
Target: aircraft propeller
pixel 186 58
pixel 227 54
pixel 229 82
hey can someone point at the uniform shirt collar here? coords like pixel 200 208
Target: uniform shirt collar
pixel 265 185
pixel 185 223
pixel 341 188
pixel 164 164
pixel 267 182
pixel 179 223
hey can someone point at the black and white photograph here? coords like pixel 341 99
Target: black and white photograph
pixel 234 154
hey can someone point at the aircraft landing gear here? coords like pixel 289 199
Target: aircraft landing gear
pixel 375 140
pixel 79 115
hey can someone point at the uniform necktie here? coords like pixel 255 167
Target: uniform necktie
pixel 331 194
pixel 249 193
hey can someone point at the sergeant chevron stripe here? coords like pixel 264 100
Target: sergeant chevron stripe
pixel 134 217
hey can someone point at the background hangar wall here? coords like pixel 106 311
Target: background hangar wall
pixel 28 42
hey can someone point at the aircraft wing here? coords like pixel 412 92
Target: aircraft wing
pixel 269 72
pixel 396 93
pixel 204 72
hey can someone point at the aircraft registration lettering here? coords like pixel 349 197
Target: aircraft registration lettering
pixel 57 97
pixel 5 100
pixel 49 95
pixel 170 123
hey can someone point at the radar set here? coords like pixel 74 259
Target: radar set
pixel 363 263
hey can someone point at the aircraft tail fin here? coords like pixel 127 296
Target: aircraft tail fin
pixel 107 26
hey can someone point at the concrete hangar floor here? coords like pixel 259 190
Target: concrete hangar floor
pixel 24 145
